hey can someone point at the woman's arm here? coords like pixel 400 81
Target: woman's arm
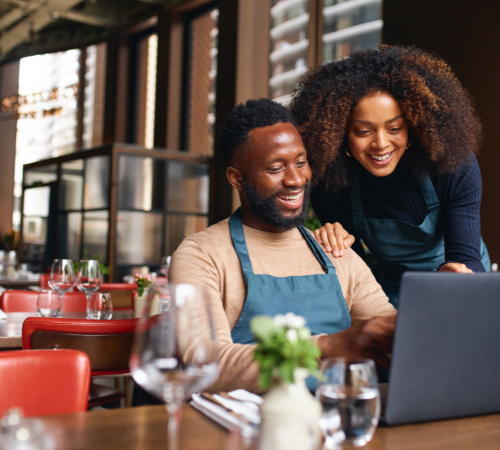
pixel 460 196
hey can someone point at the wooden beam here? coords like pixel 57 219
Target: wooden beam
pixel 110 96
pixel 227 63
pixel 162 79
pixel 80 111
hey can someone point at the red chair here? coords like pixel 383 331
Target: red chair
pixel 14 300
pixel 42 382
pixel 122 294
pixel 107 344
pixel 44 281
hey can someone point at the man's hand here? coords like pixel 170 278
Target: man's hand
pixel 334 238
pixel 369 339
pixel 455 267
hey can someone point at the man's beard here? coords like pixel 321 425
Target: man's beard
pixel 267 209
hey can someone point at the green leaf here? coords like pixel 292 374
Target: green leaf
pixel 265 378
pixel 286 371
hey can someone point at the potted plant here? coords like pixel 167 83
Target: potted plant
pixel 286 357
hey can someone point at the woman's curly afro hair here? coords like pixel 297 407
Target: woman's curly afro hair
pixel 442 123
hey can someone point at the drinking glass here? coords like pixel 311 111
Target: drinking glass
pixel 174 353
pixel 89 280
pixel 350 400
pixel 101 307
pixel 62 276
pixel 49 304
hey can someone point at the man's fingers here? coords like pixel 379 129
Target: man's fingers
pixel 380 357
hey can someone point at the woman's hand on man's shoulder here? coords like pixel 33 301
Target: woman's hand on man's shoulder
pixel 334 238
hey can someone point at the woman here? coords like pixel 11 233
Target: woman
pixel 391 136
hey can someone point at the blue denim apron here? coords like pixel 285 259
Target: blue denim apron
pixel 398 246
pixel 317 298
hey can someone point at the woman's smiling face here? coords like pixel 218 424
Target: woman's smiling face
pixel 377 133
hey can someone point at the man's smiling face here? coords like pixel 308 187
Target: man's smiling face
pixel 275 175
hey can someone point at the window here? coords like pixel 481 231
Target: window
pixel 289 45
pixel 48 119
pixel 199 89
pixel 349 26
pixel 345 26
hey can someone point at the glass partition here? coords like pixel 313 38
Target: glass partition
pixel 40 175
pixel 71 188
pixel 187 187
pixel 96 190
pixel 152 204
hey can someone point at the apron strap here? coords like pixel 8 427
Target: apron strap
pixel 430 196
pixel 239 241
pixel 321 256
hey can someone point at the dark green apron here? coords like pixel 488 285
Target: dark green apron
pixel 398 246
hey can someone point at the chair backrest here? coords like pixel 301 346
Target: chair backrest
pixel 122 294
pixel 74 302
pixel 42 382
pixel 44 281
pixel 14 300
pixel 107 343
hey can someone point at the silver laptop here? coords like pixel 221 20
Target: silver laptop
pixel 446 356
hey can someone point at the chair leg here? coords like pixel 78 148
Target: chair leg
pixel 126 383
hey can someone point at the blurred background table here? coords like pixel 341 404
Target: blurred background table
pixel 11 328
pixel 146 428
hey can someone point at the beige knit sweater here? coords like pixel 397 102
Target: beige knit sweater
pixel 208 258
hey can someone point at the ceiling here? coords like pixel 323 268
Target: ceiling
pixel 30 27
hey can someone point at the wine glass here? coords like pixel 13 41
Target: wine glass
pixel 174 353
pixel 350 399
pixel 101 306
pixel 62 276
pixel 49 304
pixel 89 280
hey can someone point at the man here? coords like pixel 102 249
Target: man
pixel 261 261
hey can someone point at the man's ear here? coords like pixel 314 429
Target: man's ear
pixel 235 178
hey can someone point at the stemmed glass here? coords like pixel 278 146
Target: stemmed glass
pixel 174 353
pixel 89 281
pixel 62 276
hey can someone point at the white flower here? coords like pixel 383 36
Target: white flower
pixel 304 333
pixel 279 320
pixel 293 321
pixel 292 335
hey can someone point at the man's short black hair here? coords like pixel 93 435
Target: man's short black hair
pixel 244 118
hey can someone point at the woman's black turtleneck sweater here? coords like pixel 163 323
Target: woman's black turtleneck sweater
pixel 398 196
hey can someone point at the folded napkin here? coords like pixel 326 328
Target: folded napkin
pixel 237 409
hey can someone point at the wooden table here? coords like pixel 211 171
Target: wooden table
pixel 11 328
pixel 18 283
pixel 145 428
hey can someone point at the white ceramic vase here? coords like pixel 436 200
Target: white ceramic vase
pixel 290 416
